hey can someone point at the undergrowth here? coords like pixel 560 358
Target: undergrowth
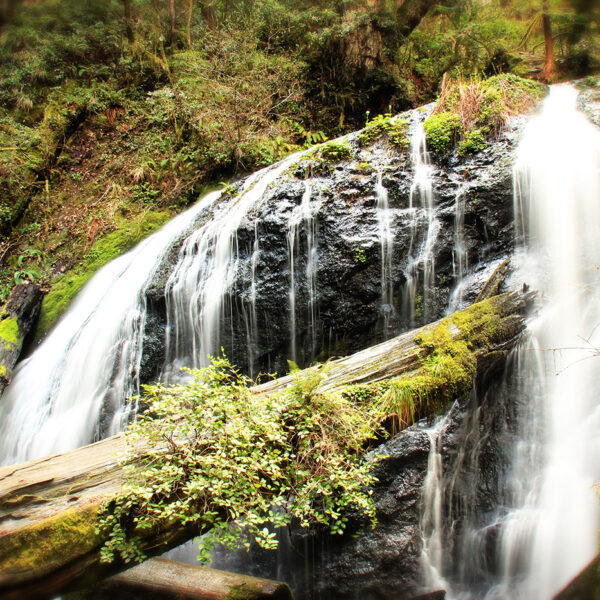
pixel 231 462
pixel 470 112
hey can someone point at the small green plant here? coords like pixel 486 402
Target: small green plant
pixel 385 125
pixel 228 189
pixel 29 274
pixel 473 142
pixel 359 256
pixel 335 151
pixel 442 131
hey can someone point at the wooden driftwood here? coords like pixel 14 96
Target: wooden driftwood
pixel 161 579
pixel 48 507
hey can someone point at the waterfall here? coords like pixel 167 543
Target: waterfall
pixel 432 511
pixel 555 512
pixel 203 275
pixel 89 364
pixel 305 213
pixel 386 241
pixel 421 193
pixel 460 257
pixel 544 527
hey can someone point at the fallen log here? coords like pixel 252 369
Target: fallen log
pixel 585 585
pixel 161 579
pixel 48 507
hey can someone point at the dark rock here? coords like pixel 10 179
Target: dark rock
pixel 439 595
pixel 348 309
pixel 17 321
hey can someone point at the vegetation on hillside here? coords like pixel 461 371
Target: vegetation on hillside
pixel 117 109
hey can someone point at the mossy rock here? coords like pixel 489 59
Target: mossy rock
pixel 103 251
pixel 9 330
pixel 388 127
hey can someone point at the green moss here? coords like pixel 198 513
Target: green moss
pixel 385 125
pixel 52 543
pixel 244 591
pixel 2 371
pixel 446 370
pixel 9 330
pixel 442 130
pixel 103 251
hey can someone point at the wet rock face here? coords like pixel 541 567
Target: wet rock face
pixel 338 281
pixel 16 323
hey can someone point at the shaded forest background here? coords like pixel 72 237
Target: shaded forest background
pixel 117 114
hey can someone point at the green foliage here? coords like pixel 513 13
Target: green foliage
pixel 359 256
pixel 473 111
pixel 104 250
pixel 385 125
pixel 442 130
pixel 335 151
pixel 231 462
pixel 473 142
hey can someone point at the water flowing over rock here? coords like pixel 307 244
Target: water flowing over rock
pixel 306 259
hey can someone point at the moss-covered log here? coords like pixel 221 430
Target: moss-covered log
pixel 161 579
pixel 48 506
pixel 585 586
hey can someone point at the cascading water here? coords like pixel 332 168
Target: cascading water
pixel 460 257
pixel 545 527
pixel 90 362
pixel 432 514
pixel 421 192
pixel 557 182
pixel 203 275
pixel 386 241
pixel 305 213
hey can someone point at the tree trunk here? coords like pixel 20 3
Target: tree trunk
pixel 548 70
pixel 161 579
pixel 49 506
pixel 128 21
pixel 209 14
pixel 172 25
pixel 18 319
pixel 188 28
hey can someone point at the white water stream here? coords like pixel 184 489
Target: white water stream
pixel 203 275
pixel 557 198
pixel 421 261
pixel 89 364
pixel 549 515
pixel 303 214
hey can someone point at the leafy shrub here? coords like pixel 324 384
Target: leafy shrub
pixel 473 111
pixel 335 151
pixel 229 461
pixel 442 130
pixel 385 125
